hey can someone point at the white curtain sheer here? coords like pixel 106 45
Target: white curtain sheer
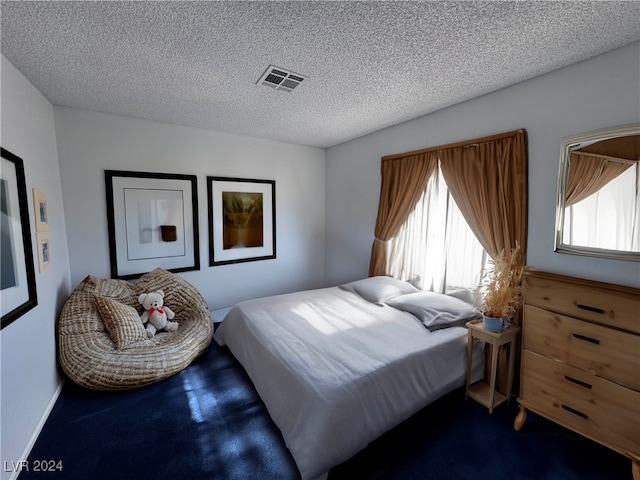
pixel 609 218
pixel 435 249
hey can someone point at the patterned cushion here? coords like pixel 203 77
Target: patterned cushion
pixel 122 321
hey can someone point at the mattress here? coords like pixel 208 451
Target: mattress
pixel 336 370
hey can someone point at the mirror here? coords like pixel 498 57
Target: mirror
pixel 598 205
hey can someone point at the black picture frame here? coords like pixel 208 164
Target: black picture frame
pixel 262 194
pixel 176 251
pixel 18 278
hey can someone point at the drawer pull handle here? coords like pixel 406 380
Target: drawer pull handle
pixel 591 309
pixel 587 339
pixel 577 382
pixel 575 412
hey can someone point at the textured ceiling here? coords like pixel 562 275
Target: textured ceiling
pixel 369 64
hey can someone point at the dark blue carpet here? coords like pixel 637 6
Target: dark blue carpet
pixel 207 422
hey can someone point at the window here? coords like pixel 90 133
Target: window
pixel 608 218
pixel 435 249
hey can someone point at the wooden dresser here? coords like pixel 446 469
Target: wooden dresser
pixel 581 359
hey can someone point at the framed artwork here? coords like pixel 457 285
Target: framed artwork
pixel 40 211
pixel 153 222
pixel 17 275
pixel 44 251
pixel 242 220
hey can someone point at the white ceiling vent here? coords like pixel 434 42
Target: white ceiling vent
pixel 281 79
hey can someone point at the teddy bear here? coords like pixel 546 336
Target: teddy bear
pixel 156 315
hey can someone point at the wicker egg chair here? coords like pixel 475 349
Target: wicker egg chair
pixel 103 346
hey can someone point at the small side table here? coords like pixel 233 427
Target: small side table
pixel 482 391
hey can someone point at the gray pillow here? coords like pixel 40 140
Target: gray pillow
pixel 435 310
pixel 379 289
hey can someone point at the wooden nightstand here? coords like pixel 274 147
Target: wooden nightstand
pixel 482 391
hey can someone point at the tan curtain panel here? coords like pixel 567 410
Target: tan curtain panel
pixel 404 179
pixel 488 180
pixel 588 174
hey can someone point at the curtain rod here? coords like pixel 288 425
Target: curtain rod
pixel 609 158
pixel 463 143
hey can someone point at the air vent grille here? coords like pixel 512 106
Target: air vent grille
pixel 281 79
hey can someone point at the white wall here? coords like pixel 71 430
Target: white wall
pixel 597 93
pixel 29 377
pixel 90 142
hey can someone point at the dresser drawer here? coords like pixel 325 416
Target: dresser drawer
pixel 602 351
pixel 583 402
pixel 602 303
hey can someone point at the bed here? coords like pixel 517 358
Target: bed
pixel 337 367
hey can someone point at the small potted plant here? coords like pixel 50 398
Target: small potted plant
pixel 501 289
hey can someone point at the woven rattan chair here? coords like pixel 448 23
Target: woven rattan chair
pixel 101 357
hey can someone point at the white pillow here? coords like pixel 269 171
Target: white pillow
pixel 435 310
pixel 379 289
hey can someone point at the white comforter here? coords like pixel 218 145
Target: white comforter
pixel 335 371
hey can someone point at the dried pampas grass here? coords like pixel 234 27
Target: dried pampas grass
pixel 502 284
